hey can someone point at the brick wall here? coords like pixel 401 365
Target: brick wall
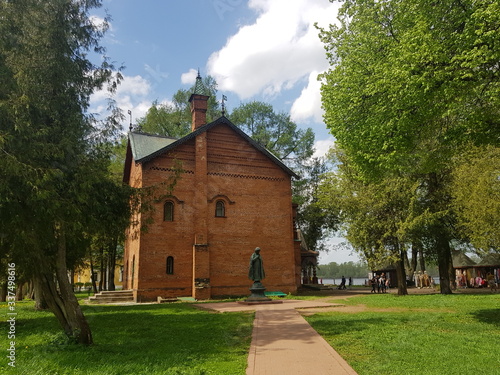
pixel 258 212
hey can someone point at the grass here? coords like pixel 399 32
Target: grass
pixel 416 334
pixel 138 339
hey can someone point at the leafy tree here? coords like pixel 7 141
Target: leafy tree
pixel 373 215
pixel 275 131
pixel 315 222
pixel 54 159
pixel 476 192
pixel 335 270
pixel 410 81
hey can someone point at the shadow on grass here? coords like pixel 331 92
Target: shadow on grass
pixel 490 316
pixel 155 339
pixel 325 326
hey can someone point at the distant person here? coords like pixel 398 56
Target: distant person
pixel 491 282
pixel 373 283
pixel 342 283
pixel 379 287
pixel 350 282
pixel 381 284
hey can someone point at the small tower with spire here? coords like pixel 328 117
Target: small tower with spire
pixel 199 104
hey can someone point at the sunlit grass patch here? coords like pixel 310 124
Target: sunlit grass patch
pixel 428 334
pixel 136 339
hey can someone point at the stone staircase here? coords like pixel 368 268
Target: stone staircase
pixel 116 296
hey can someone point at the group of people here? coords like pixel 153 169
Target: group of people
pixel 488 282
pixel 379 283
pixel 476 282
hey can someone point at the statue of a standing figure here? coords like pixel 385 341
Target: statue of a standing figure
pixel 256 273
pixel 256 268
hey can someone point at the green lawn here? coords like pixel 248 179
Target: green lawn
pixel 139 339
pixel 417 334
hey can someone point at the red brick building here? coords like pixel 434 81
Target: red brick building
pixel 232 196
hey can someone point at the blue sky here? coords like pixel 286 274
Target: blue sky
pixel 265 50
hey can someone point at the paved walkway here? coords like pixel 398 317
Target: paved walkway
pixel 284 343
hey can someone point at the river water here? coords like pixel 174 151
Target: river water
pixel 355 281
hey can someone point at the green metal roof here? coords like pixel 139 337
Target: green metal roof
pixel 199 87
pixel 143 145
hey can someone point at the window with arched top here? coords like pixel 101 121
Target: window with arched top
pixel 170 265
pixel 168 211
pixel 220 209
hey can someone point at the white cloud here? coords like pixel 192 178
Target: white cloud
pixel 189 77
pixel 308 104
pixel 278 51
pixel 321 147
pixel 100 23
pixel 132 94
pixel 136 85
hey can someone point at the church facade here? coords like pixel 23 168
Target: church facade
pixel 231 196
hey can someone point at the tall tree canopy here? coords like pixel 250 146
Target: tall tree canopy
pixel 275 131
pixel 410 81
pixel 476 191
pixel 54 154
pixel 374 216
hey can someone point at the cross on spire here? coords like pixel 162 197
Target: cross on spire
pixel 224 98
pixel 130 113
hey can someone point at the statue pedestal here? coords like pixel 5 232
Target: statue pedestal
pixel 258 295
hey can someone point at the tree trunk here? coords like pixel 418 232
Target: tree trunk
pixel 439 232
pixel 40 303
pixel 400 271
pixel 63 302
pixel 78 326
pixel 102 271
pixel 30 293
pixel 415 248
pixel 112 264
pixel 444 261
pixel 72 279
pixel 407 263
pixel 3 292
pixel 20 291
pixel 421 260
pixel 92 278
pixel 451 272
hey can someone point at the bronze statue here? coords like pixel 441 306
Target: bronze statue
pixel 256 268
